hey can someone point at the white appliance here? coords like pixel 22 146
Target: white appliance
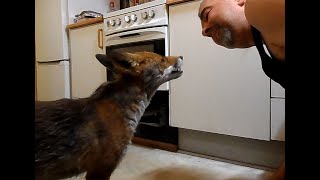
pixel 52 48
pixel 144 27
pixel 52 54
pixel 53 80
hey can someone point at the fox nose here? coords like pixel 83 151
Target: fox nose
pixel 179 62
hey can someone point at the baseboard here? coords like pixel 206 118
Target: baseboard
pixel 155 144
pixel 228 161
pixel 268 154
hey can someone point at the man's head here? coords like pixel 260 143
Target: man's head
pixel 225 22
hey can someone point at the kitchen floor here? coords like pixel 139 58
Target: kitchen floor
pixel 142 163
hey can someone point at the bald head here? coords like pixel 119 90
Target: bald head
pixel 224 21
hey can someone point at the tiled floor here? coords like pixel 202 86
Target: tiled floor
pixel 141 163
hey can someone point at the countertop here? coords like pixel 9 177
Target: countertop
pixel 100 19
pixel 85 23
pixel 171 2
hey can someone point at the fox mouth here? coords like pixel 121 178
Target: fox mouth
pixel 175 73
pixel 172 72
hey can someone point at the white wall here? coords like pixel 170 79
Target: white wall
pixel 77 6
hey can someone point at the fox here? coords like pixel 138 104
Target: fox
pixel 90 135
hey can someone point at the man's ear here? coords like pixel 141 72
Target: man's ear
pixel 240 2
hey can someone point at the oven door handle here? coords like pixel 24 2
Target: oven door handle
pixel 128 35
pixel 136 36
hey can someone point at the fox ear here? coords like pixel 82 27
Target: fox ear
pixel 106 61
pixel 116 61
pixel 123 60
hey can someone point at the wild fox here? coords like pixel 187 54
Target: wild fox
pixel 91 134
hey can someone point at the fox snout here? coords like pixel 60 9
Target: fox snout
pixel 179 62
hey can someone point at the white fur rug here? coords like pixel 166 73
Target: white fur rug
pixel 141 163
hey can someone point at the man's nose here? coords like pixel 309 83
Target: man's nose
pixel 205 29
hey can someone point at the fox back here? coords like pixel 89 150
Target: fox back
pixel 91 134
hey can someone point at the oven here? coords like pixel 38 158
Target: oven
pixel 144 28
pixel 149 39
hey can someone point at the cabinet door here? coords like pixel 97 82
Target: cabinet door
pixel 278 119
pixel 53 80
pixel 87 73
pixel 221 90
pixel 277 90
pixel 51 41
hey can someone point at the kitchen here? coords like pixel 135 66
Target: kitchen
pixel 259 143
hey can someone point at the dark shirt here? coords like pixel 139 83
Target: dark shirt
pixel 272 67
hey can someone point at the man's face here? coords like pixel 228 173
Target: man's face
pixel 215 16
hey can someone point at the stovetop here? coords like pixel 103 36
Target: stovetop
pixel 151 14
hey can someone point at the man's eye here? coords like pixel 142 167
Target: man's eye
pixel 207 14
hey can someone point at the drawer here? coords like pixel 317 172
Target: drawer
pixel 277 90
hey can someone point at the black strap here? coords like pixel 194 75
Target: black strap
pixel 272 67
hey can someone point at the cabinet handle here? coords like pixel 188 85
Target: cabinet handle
pixel 100 41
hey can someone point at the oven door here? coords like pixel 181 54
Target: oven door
pixel 154 124
pixel 148 39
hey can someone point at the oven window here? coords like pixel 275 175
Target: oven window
pixel 156 46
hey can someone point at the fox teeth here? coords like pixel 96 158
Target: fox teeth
pixel 176 69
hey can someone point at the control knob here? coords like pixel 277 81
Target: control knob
pixel 127 19
pixel 118 21
pixel 151 13
pixel 144 15
pixel 111 22
pixel 133 17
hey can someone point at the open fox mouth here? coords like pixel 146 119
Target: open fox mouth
pixel 176 69
pixel 176 72
pixel 173 72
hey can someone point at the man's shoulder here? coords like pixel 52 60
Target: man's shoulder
pixel 266 15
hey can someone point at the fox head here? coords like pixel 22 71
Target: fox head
pixel 150 68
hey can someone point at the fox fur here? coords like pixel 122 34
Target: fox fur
pixel 91 134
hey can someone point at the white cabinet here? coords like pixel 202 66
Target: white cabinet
pixel 87 73
pixel 277 112
pixel 221 90
pixel 278 119
pixel 53 80
pixel 51 41
pixel 277 91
